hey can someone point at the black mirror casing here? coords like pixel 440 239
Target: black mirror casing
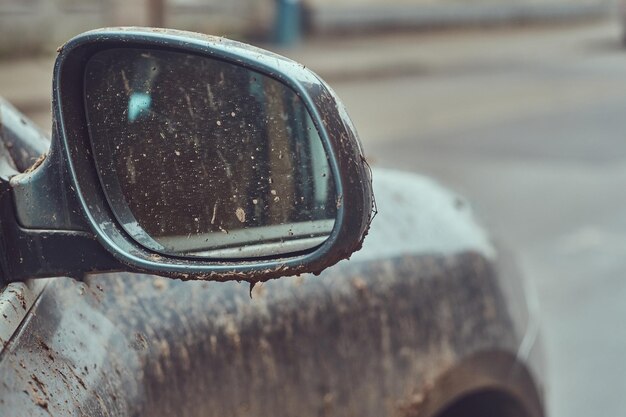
pixel 65 226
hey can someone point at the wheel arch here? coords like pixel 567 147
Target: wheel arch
pixel 487 384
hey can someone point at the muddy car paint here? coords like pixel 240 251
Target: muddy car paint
pixel 24 142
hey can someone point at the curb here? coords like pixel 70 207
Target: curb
pixel 333 19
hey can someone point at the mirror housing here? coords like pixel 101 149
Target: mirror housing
pixel 65 223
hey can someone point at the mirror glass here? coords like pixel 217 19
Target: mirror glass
pixel 200 157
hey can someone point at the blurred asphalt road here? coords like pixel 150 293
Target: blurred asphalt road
pixel 530 124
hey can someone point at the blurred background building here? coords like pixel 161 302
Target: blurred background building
pixel 28 26
pixel 37 25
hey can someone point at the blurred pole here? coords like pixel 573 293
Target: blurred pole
pixel 156 13
pixel 288 22
pixel 138 12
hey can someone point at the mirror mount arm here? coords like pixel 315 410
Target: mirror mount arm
pixel 44 197
pixel 38 253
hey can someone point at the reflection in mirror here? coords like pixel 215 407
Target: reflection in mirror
pixel 200 157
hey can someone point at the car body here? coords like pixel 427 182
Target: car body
pixel 428 318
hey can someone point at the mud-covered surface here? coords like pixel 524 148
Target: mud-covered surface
pixel 24 141
pixel 362 339
pixel 16 300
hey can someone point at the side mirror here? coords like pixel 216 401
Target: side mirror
pixel 188 156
